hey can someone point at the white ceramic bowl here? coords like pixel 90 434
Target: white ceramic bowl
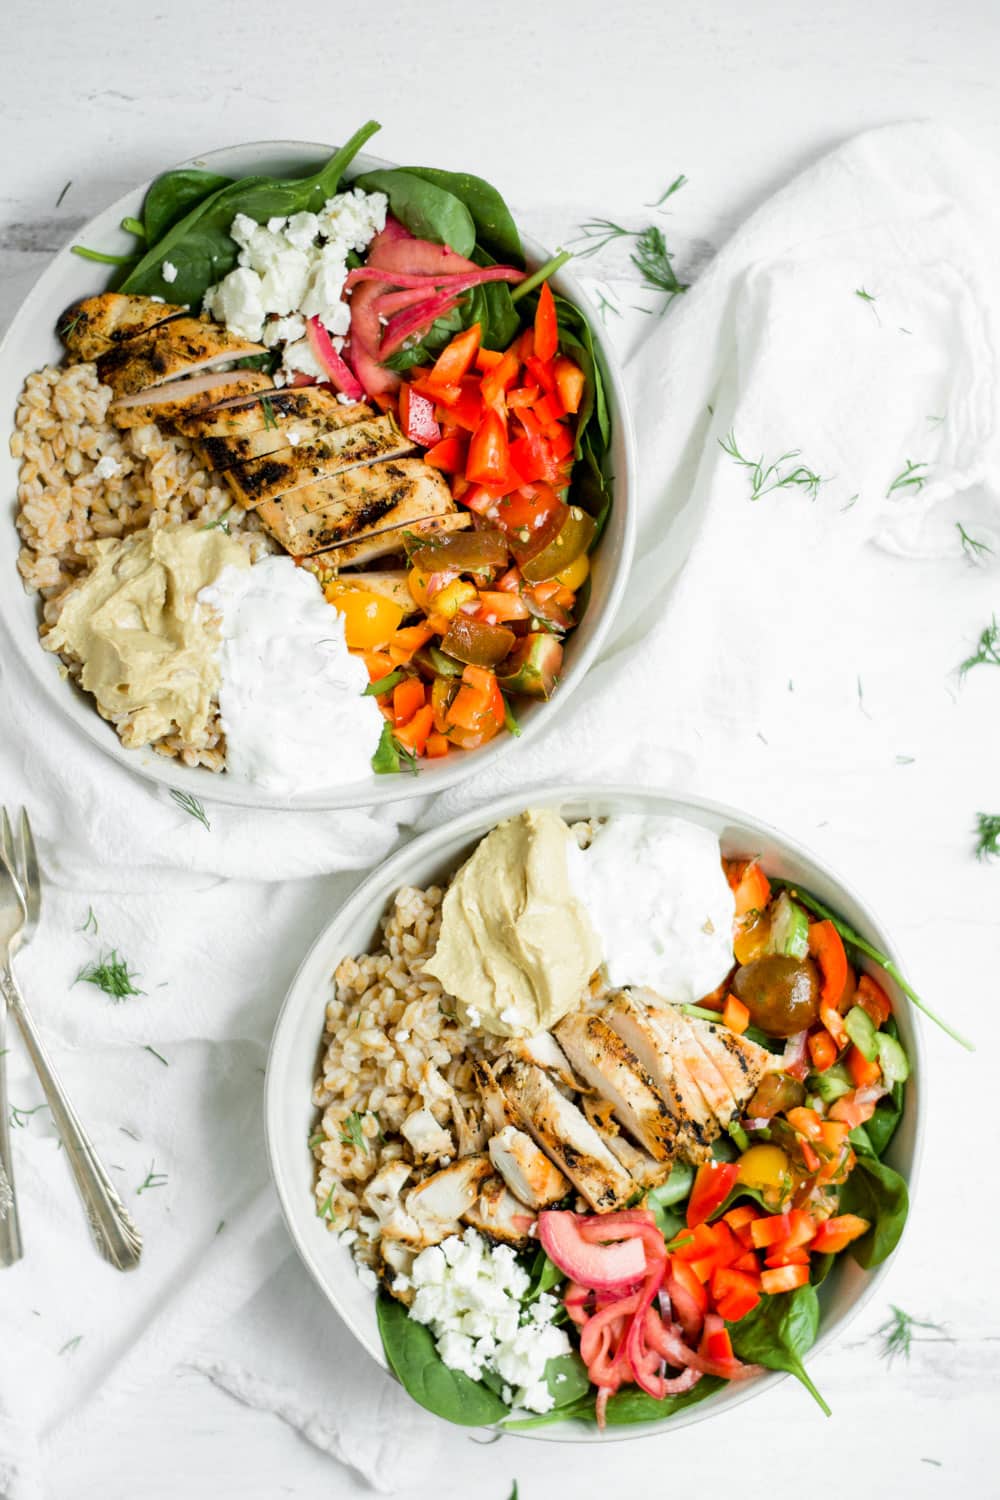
pixel 290 1116
pixel 31 342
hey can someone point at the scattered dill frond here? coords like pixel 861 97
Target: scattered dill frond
pixel 605 305
pixel 268 410
pixel 110 974
pixel 316 1139
pixel 905 760
pixel 897 1333
pixel 324 1210
pixel 20 1117
pixel 654 262
pixel 130 1133
pixel 599 233
pixel 220 1226
pixel 154 1179
pixel 352 1133
pixel 987 835
pixel 861 700
pixel 675 187
pixel 64 192
pixel 865 296
pixel 908 479
pixel 192 806
pixel 764 479
pixel 90 925
pixel 158 1055
pixel 974 551
pixel 221 523
pixel 987 652
pixel 71 1344
pixel 934 419
pixel 513 1491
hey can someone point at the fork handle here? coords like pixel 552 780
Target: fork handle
pixel 11 1248
pixel 115 1236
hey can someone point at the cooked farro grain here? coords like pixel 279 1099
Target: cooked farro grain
pixel 82 479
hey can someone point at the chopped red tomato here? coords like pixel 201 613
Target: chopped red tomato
pixel 546 325
pixel 835 1234
pixel 712 1185
pixel 489 452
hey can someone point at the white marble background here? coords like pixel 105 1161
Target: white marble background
pixel 575 109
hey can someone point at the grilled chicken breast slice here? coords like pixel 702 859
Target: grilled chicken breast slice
pixel 311 471
pixel 567 1137
pixel 98 324
pixel 172 402
pixel 543 1049
pixel 362 501
pixel 688 1049
pixel 233 419
pixel 610 1066
pixel 741 1062
pixel 643 1169
pixel 497 1213
pixel 497 1107
pixel 279 435
pixel 437 1204
pixel 526 1169
pixel 385 541
pixel 183 346
pixel 697 1127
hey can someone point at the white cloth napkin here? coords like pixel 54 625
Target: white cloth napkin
pixel 795 665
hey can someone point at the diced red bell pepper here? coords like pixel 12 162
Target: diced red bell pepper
pixel 415 733
pixel 682 1272
pixel 489 452
pixel 407 697
pixel 712 1185
pixel 487 359
pixel 827 947
pixel 873 1000
pixel 851 1111
pixel 699 1244
pixel 548 409
pixel 717 1345
pixel 786 1255
pixel 734 1293
pixel 801 1229
pixel 783 1279
pixel 833 1235
pixel 769 1231
pixel 812 1161
pixel 457 358
pixel 546 324
pixel 524 395
pixel 501 378
pixel 739 1217
pixel 863 1073
pixel 805 1122
pixel 533 459
pixel 569 383
pixel 822 1050
pixel 416 417
pixel 735 1014
pixel 747 1262
pixel 448 455
pixel 540 371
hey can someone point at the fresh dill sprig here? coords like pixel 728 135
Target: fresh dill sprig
pixel 64 192
pixel 324 1209
pixel 909 478
pixel 973 550
pixel 865 296
pixel 20 1117
pixel 71 1344
pixel 158 1055
pixel 268 410
pixel 605 305
pixel 987 652
pixel 90 925
pixel 221 523
pixel 130 1133
pixel 111 974
pixel 154 1179
pixel 897 1333
pixel 192 806
pixel 353 1134
pixel 987 835
pixel 675 187
pixel 765 479
pixel 655 263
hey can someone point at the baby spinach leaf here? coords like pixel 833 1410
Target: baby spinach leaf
pixel 545 1275
pixel 567 1379
pixel 409 1348
pixel 496 231
pixel 174 194
pixel 199 244
pixel 878 1194
pixel 778 1332
pixel 661 1200
pixel 632 1405
pixel 428 211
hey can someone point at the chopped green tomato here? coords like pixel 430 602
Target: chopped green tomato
pixel 465 551
pixel 832 1083
pixel 435 661
pixel 789 928
pixel 533 666
pixel 861 1030
pixel 475 642
pixel 570 537
pixel 895 1064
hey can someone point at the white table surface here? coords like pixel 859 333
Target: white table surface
pixel 571 108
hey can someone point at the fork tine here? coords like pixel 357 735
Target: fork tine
pixel 31 880
pixel 7 841
pixel 9 869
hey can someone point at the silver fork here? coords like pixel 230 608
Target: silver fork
pixel 12 915
pixel 115 1236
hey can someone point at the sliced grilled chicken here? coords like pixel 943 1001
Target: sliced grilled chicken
pixel 396 1263
pixel 303 405
pixel 385 541
pixel 97 324
pixel 697 1127
pixel 184 346
pixel 566 1136
pixel 439 1202
pixel 426 1136
pixel 312 472
pixel 692 1055
pixel 543 1049
pixel 741 1062
pixel 644 1169
pixel 601 1058
pixel 497 1107
pixel 382 1195
pixel 279 435
pixel 525 1169
pixel 364 500
pixel 499 1214
pixel 391 583
pixel 177 399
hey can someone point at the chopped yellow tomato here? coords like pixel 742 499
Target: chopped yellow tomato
pixel 762 1167
pixel 448 601
pixel 369 619
pixel 576 574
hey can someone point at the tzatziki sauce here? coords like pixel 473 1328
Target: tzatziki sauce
pixel 291 695
pixel 660 902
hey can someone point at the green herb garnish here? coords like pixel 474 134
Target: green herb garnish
pixel 384 684
pixel 270 421
pixel 221 523
pixel 510 718
pixel 71 1344
pixel 158 1055
pixel 90 925
pixel 154 1179
pixel 897 1334
pixel 765 479
pixel 324 1209
pixel 655 263
pixel 987 835
pixel 675 187
pixel 112 975
pixel 20 1117
pixel 973 550
pixel 987 652
pixel 192 806
pixel 908 479
pixel 352 1133
pixel 389 753
pixel 867 297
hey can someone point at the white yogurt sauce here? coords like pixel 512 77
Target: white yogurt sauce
pixel 660 903
pixel 290 696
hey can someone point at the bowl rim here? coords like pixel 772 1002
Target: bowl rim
pixel 390 874
pixel 169 772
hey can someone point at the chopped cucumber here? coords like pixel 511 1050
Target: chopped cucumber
pixel 789 928
pixel 832 1083
pixel 861 1030
pixel 895 1064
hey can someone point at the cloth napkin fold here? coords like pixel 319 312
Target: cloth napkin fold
pixel 792 653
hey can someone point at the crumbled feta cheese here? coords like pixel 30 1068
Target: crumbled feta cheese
pixel 107 467
pixel 368 1278
pixel 469 1294
pixel 284 330
pixel 300 356
pixel 294 438
pixel 237 302
pixel 168 271
pixel 345 400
